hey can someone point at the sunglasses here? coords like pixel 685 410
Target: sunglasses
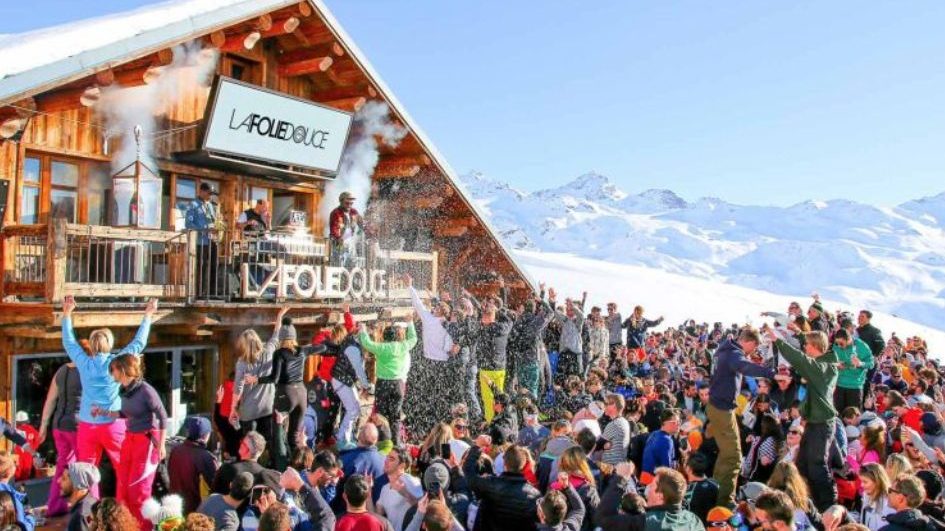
pixel 795 432
pixel 460 426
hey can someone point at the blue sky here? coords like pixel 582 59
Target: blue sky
pixel 754 102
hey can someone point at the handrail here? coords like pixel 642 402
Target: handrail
pixel 50 261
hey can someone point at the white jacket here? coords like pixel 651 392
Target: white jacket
pixel 437 342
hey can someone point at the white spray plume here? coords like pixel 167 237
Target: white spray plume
pixel 123 108
pixel 371 124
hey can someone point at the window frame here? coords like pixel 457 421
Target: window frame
pixel 46 186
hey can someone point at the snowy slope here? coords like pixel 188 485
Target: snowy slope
pixel 679 297
pixel 888 259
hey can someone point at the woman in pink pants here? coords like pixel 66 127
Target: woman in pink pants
pixel 143 447
pixel 96 433
pixel 59 411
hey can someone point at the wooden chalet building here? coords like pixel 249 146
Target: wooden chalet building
pixel 76 224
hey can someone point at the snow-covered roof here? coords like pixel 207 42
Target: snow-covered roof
pixel 38 60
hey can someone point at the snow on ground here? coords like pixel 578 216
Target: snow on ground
pixel 680 297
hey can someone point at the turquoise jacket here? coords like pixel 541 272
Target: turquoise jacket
pixel 851 377
pixel 98 386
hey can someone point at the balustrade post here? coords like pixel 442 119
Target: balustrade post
pixel 55 260
pixel 191 265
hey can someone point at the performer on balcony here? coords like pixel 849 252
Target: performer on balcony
pixel 204 216
pixel 255 220
pixel 347 228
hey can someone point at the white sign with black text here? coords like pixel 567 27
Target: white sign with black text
pixel 256 123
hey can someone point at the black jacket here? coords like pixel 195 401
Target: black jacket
pixel 506 502
pixel 908 520
pixel 873 339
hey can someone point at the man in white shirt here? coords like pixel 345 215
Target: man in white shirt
pixel 402 490
pixel 437 343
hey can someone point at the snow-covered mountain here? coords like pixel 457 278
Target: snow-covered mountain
pixel 890 259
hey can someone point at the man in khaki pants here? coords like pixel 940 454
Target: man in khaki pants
pixel 730 365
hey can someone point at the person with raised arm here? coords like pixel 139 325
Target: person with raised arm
pixel 730 366
pixel 100 391
pixel 393 364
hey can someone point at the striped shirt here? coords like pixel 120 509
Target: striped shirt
pixel 617 433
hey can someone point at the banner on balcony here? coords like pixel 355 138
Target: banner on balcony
pixel 250 122
pixel 314 282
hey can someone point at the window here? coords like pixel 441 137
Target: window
pixel 57 187
pixel 29 202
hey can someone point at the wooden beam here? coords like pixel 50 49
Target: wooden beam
pixel 304 8
pixel 264 22
pixel 347 104
pixel 449 231
pixel 419 159
pixel 389 170
pixel 423 203
pixel 317 33
pixel 282 25
pixel 240 42
pixel 67 99
pixel 331 49
pixel 132 77
pixel 338 93
pixel 105 77
pixel 217 38
pixel 306 66
pixel 33 332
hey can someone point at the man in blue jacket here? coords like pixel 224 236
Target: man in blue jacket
pixel 730 365
pixel 660 449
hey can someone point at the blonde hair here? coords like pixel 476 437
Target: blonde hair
pixel 289 344
pixel 338 333
pixel 249 346
pixel 574 461
pixel 817 339
pixel 877 474
pixel 441 434
pixel 897 464
pixel 787 478
pixel 101 341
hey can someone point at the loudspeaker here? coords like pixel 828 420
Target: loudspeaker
pixel 4 191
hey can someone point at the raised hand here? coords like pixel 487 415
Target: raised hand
pixel 68 305
pixel 624 470
pixel 282 312
pixel 151 308
pixel 345 307
pixel 408 279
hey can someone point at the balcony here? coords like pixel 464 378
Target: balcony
pixel 109 267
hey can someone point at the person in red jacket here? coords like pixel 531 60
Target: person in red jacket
pixel 326 428
pixel 24 467
pixel 346 226
pixel 908 416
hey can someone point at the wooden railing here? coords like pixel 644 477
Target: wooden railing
pixel 44 263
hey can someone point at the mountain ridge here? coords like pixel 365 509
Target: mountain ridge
pixel 889 258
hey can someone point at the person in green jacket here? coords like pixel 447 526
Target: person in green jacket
pixel 818 365
pixel 855 362
pixel 393 364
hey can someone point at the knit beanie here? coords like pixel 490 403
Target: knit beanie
pixel 287 331
pixel 436 473
pixel 83 475
pixel 817 306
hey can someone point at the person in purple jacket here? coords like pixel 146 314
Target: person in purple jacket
pixel 730 365
pixel 143 447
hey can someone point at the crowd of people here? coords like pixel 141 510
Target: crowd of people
pixel 478 414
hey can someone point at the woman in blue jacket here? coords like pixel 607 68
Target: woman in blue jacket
pixel 97 432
